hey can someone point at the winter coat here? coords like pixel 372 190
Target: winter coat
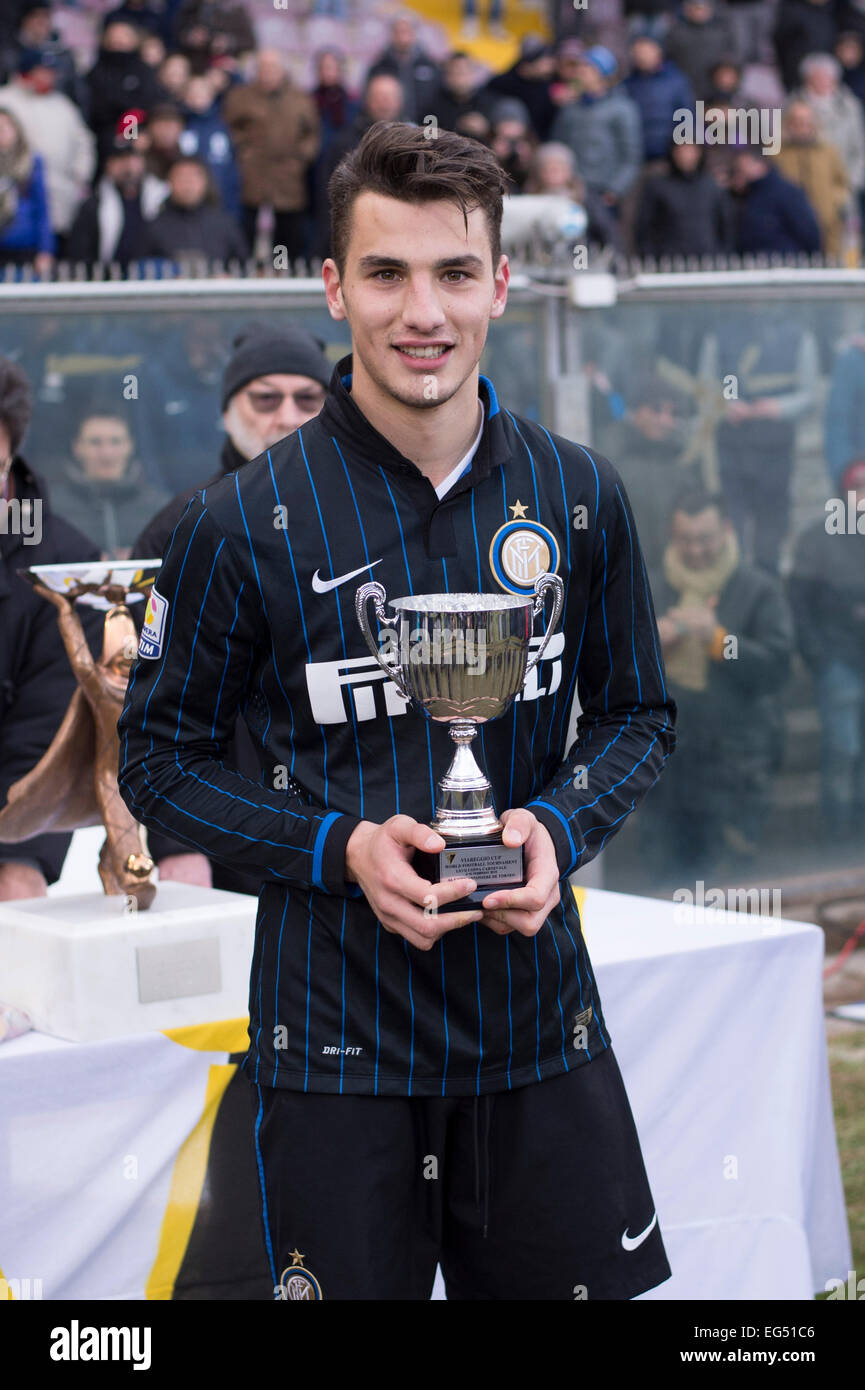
pixel 605 136
pixel 819 171
pixel 207 137
pixel 96 231
pixel 184 233
pixel 106 510
pixel 55 129
pixel 775 215
pixel 276 136
pixel 684 215
pixel 30 228
pixel 36 680
pixel 696 48
pixel 659 95
pixel 802 28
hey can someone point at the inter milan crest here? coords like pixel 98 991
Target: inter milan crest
pixel 521 550
pixel 296 1282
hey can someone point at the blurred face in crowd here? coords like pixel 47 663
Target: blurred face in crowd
pixel 747 168
pixel 270 70
pixel 540 69
pixel 329 70
pixel 849 50
pixel 199 94
pixel 555 172
pixel 698 540
pixel 820 80
pixel 402 35
pixel 120 38
pixel 459 77
pixel 384 98
pixel 800 127
pixel 164 133
pixel 103 447
pixel 8 133
pixel 174 74
pixel 647 55
pixel 187 183
pixel 725 78
pixel 415 278
pixel 510 139
pixel 35 27
pixel 698 11
pixel 686 157
pixel 474 124
pixel 125 171
pixel 269 408
pixel 590 79
pixel 41 79
pixel 152 50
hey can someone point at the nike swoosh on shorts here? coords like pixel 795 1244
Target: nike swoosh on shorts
pixel 631 1242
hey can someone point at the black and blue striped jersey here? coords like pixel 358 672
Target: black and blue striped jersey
pixel 253 612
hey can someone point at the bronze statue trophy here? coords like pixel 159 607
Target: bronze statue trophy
pixel 75 781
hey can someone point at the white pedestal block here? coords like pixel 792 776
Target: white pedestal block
pixel 82 967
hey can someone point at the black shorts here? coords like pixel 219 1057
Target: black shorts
pixel 538 1193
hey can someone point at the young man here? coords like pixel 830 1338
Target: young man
pixel 432 1085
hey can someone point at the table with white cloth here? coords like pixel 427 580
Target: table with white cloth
pixel 126 1174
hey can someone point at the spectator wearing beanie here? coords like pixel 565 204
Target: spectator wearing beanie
pixel 275 380
pixel 603 129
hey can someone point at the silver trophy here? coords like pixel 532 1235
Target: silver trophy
pixel 461 659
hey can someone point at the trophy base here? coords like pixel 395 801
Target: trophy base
pixel 483 858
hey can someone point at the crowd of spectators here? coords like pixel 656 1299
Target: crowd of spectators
pixel 713 129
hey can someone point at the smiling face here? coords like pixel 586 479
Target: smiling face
pixel 418 292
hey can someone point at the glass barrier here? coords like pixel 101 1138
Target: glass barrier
pixel 758 399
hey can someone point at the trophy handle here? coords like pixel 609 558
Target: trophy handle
pixel 378 594
pixel 544 582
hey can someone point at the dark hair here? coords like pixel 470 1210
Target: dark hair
pixel 16 402
pixel 401 161
pixel 99 411
pixel 696 499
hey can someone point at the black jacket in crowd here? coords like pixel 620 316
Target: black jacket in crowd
pixel 206 231
pixel 36 680
pixel 684 215
pixel 240 752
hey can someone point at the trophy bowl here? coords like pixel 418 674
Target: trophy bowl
pixel 461 659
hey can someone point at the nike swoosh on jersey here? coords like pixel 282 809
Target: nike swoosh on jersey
pixel 323 586
pixel 631 1242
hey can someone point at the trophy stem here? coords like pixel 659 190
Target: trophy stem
pixel 464 807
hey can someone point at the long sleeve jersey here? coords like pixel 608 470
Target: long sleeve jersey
pixel 253 611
